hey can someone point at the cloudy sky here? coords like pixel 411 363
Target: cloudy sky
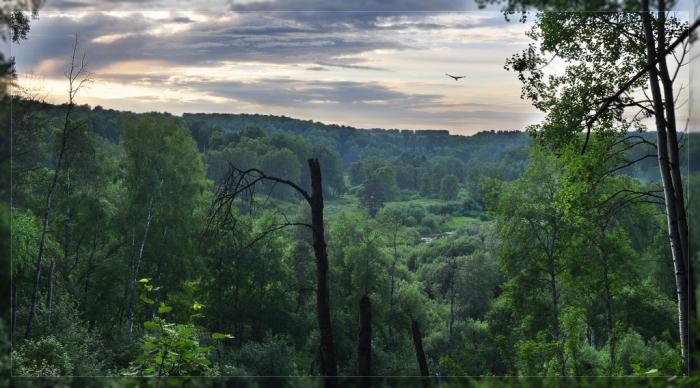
pixel 370 64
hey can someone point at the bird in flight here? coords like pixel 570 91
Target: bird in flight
pixel 456 77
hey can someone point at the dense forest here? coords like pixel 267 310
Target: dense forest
pixel 433 228
pixel 148 244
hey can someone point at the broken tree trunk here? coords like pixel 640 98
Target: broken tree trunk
pixel 418 344
pixel 241 183
pixel 364 343
pixel 328 361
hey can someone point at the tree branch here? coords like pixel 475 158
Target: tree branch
pixel 631 81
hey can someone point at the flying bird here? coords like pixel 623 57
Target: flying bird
pixel 456 77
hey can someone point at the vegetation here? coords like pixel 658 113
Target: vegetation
pixel 234 245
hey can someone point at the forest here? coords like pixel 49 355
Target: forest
pixel 151 244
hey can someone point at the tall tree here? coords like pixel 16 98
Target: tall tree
pixel 241 184
pixel 535 236
pixel 609 64
pixel 163 180
pixel 77 76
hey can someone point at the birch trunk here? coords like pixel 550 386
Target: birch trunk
pixel 670 195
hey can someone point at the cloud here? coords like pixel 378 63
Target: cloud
pixel 291 92
pixel 355 6
pixel 368 63
pixel 367 105
pixel 242 38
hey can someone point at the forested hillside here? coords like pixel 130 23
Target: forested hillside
pixel 468 237
pixel 153 245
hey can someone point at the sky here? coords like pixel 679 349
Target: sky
pixel 367 63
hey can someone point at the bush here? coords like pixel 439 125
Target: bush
pixel 538 357
pixel 274 356
pixel 453 208
pixel 45 356
pixel 431 222
pixel 84 347
pixel 634 356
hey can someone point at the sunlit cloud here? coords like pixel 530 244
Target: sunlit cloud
pixel 382 68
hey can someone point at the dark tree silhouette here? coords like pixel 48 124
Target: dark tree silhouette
pixel 241 184
pixel 418 344
pixel 364 343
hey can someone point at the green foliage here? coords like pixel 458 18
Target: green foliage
pixel 172 349
pixel 83 345
pixel 373 195
pixel 538 357
pixel 281 163
pixel 273 356
pixel 44 356
pixel 639 357
pixel 449 187
pixel 213 303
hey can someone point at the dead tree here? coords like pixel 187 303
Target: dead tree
pixel 77 76
pixel 418 344
pixel 364 343
pixel 241 184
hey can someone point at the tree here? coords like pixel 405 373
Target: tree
pixel 608 65
pixel 284 163
pixel 163 180
pixel 241 183
pixel 364 339
pixel 12 16
pixel 449 187
pixel 77 76
pixel 372 195
pixel 533 253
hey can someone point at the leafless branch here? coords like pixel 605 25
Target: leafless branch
pixel 240 185
pixel 679 63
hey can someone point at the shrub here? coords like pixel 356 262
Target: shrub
pixel 44 356
pixel 274 356
pixel 635 356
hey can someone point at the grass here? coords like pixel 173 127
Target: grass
pixel 349 203
pixel 335 206
pixel 455 223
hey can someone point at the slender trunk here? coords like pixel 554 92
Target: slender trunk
pixel 220 294
pixel 418 344
pixel 237 325
pixel 89 269
pixel 669 190
pixel 39 259
pixel 392 276
pixel 555 304
pixel 452 309
pixel 66 239
pixel 37 268
pixel 47 215
pixel 328 360
pixel 135 271
pixel 556 332
pixel 156 294
pixel 49 289
pixel 609 316
pixel 156 279
pixel 676 173
pixel 13 318
pixel 364 345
